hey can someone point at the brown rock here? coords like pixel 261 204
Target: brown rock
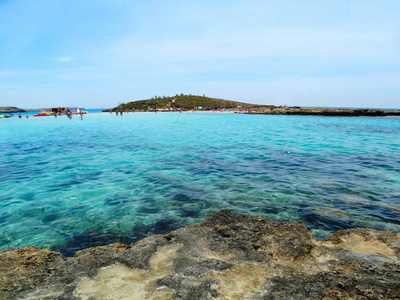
pixel 225 257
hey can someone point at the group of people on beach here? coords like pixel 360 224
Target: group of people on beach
pixel 58 111
pixel 120 112
pixel 68 113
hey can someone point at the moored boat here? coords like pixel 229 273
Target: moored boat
pixel 84 112
pixel 44 114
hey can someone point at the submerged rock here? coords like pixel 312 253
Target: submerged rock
pixel 225 257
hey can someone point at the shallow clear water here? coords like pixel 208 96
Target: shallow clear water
pixel 69 184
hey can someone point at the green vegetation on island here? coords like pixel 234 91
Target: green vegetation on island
pixel 188 102
pixel 184 102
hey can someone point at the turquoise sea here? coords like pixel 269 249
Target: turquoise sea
pixel 70 184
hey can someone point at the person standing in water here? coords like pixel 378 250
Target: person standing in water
pixel 26 115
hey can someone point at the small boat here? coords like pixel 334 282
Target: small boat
pixel 44 114
pixel 84 112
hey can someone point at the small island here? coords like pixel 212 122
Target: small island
pixel 203 103
pixel 185 102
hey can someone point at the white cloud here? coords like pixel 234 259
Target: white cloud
pixel 64 58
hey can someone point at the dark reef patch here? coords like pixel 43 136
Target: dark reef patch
pixel 98 237
pixel 92 238
pixel 316 221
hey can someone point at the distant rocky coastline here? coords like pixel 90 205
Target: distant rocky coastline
pixel 296 111
pixel 10 109
pixel 225 257
pixel 330 112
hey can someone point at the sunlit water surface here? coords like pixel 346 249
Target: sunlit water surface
pixel 70 184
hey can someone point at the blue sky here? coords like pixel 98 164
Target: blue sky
pixel 99 53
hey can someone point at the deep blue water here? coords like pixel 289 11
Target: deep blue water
pixel 69 184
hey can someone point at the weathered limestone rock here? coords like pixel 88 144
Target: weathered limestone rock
pixel 225 257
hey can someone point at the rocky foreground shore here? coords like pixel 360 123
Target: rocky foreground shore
pixel 225 257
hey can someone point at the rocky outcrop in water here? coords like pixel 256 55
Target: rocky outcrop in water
pixel 329 112
pixel 225 257
pixel 10 109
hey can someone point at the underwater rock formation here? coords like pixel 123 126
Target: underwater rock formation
pixel 225 257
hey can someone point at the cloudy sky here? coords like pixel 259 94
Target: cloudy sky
pixel 98 53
